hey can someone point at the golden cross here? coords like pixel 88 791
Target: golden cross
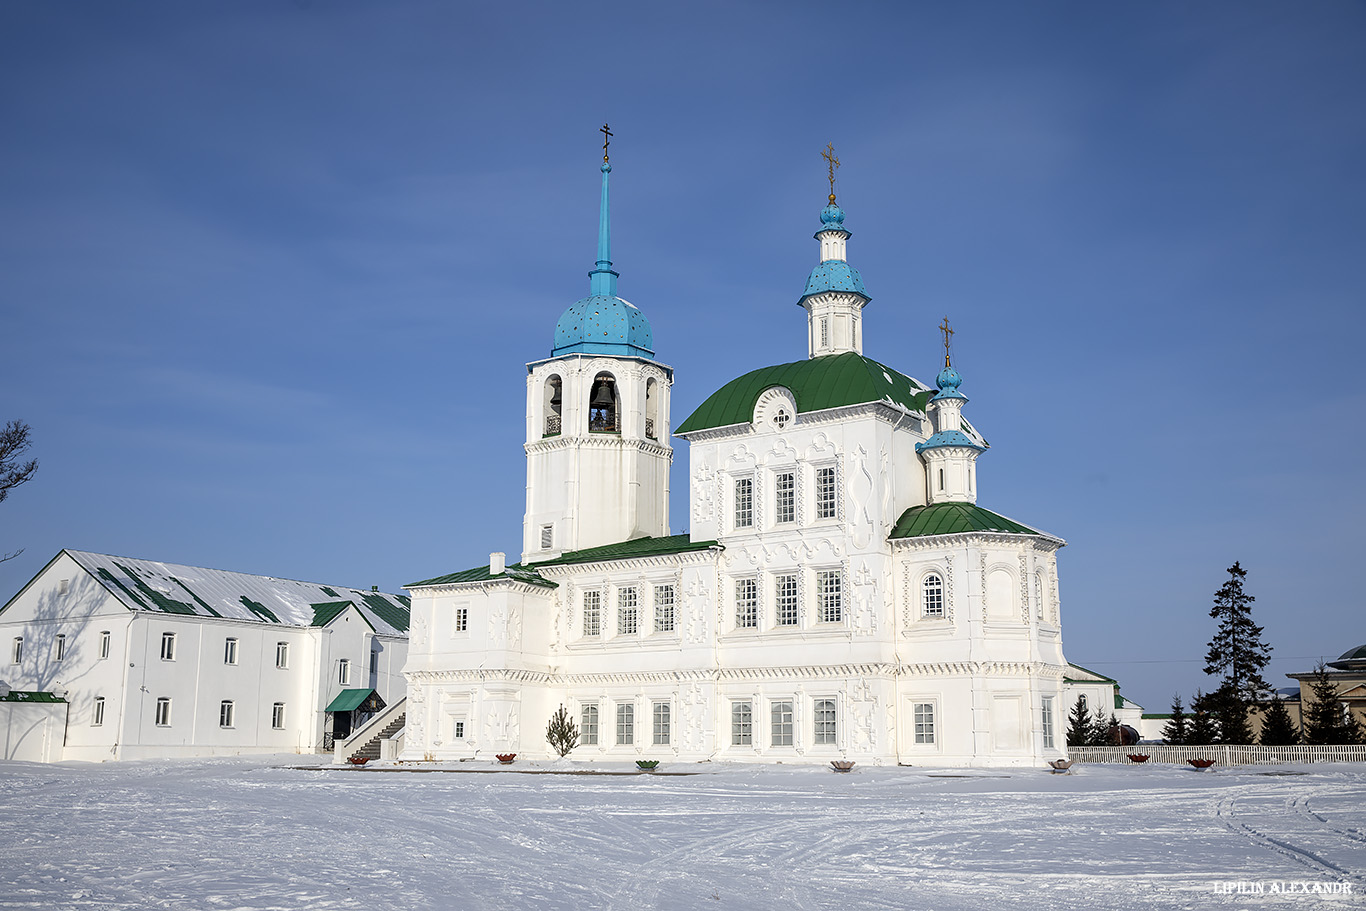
pixel 948 339
pixel 831 162
pixel 606 139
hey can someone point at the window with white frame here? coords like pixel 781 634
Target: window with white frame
pixel 282 655
pixel 16 654
pixel 922 717
pixel 823 714
pixel 664 608
pixel 344 671
pixel 661 724
pixel 781 418
pixel 785 600
pixel 97 716
pixel 59 647
pixel 932 595
pixel 626 724
pixel 825 493
pixel 1038 592
pixel 588 724
pixel 780 723
pixel 1047 720
pixel 225 713
pixel 106 638
pixel 547 536
pixel 744 503
pixel 825 332
pixel 785 497
pixel 277 716
pixel 746 603
pixel 462 619
pixel 458 730
pixel 168 646
pixel 628 611
pixel 592 613
pixel 374 661
pixel 230 650
pixel 163 715
pixel 829 595
pixel 741 724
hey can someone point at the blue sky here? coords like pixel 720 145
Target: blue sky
pixel 270 272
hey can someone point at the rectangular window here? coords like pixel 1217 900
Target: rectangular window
pixel 277 716
pixel 97 718
pixel 785 498
pixel 592 613
pixel 785 600
pixel 824 716
pixel 462 619
pixel 744 503
pixel 588 724
pixel 458 730
pixel 282 655
pixel 781 726
pixel 741 724
pixel 1048 722
pixel 163 712
pixel 17 653
pixel 825 493
pixel 626 724
pixel 664 608
pixel 225 713
pixel 168 646
pixel 746 603
pixel 825 332
pixel 923 717
pixel 344 671
pixel 230 651
pixel 829 592
pixel 547 536
pixel 374 662
pixel 661 724
pixel 59 647
pixel 105 639
pixel 628 612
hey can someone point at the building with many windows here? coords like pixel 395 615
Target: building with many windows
pixel 148 659
pixel 841 594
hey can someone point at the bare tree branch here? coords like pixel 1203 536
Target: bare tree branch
pixel 14 442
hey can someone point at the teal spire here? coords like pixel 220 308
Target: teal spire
pixel 603 279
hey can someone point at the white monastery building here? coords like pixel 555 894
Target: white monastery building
pixel 841 594
pixel 130 659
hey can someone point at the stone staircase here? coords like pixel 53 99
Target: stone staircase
pixel 370 750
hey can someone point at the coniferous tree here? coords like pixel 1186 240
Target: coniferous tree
pixel 562 733
pixel 1079 724
pixel 1174 731
pixel 1278 728
pixel 1326 719
pixel 1238 654
pixel 1203 729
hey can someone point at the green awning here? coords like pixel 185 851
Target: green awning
pixel 347 700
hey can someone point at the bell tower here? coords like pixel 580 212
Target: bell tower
pixel 597 441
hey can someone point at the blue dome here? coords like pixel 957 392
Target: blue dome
pixel 834 275
pixel 603 325
pixel 948 382
pixel 832 217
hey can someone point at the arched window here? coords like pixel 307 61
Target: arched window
pixel 603 405
pixel 651 410
pixel 933 591
pixel 554 400
pixel 1038 592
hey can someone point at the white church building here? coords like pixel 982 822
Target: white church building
pixel 840 593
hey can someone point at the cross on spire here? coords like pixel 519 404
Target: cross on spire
pixel 831 163
pixel 606 140
pixel 948 339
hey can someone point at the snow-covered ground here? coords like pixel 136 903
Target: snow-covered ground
pixel 261 833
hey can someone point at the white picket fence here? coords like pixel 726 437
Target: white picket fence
pixel 1222 754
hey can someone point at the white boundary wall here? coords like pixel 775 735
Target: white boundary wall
pixel 1222 754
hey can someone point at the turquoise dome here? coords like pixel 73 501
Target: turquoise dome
pixel 832 217
pixel 600 324
pixel 948 382
pixel 834 275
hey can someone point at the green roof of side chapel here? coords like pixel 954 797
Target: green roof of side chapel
pixel 955 519
pixel 818 383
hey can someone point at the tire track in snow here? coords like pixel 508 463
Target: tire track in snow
pixel 1223 810
pixel 1301 805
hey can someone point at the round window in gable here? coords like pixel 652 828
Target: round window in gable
pixel 781 418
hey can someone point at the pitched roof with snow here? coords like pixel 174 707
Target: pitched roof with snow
pixel 146 585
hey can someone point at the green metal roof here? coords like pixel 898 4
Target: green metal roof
pixel 830 381
pixel 347 700
pixel 626 550
pixel 953 519
pixel 30 696
pixel 1103 678
pixel 327 611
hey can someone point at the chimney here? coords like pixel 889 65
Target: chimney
pixel 497 563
